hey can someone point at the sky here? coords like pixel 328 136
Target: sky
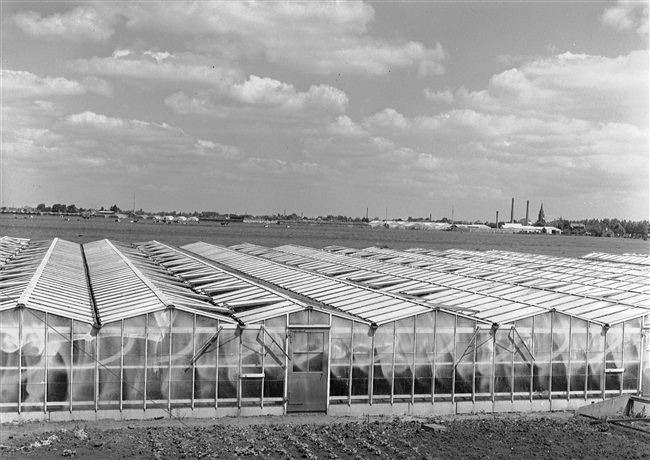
pixel 397 109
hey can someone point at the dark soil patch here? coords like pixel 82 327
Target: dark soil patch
pixel 463 437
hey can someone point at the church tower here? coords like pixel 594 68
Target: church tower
pixel 541 218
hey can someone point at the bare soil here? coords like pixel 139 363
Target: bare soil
pixel 504 436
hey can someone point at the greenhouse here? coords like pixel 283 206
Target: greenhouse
pixel 110 330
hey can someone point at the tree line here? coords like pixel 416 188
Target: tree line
pixel 595 227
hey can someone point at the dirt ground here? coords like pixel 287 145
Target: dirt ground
pixel 505 436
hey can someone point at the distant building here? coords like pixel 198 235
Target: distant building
pixel 518 228
pixel 577 229
pixel 541 218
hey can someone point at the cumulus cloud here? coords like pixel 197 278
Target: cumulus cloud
pixel 344 126
pixel 202 105
pixel 160 66
pixel 269 30
pixel 274 96
pixel 445 96
pixel 574 85
pixel 214 149
pixel 560 117
pixel 273 93
pixel 22 84
pixel 79 23
pixel 627 15
pixel 96 120
pixel 126 131
pixel 389 118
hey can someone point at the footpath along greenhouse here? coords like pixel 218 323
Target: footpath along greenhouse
pixel 106 329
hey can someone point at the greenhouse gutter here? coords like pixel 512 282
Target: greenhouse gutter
pixel 98 320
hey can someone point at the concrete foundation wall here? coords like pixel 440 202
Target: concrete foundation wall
pixel 376 409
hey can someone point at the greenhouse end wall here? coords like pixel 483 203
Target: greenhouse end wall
pixel 439 362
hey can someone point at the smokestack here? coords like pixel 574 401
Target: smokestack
pixel 527 204
pixel 497 221
pixel 512 211
pixel 366 213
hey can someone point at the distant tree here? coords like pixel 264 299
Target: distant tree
pixel 58 207
pixel 618 229
pixel 71 209
pixel 41 207
pixel 114 208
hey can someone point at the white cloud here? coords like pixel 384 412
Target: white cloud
pixel 98 86
pixel 161 66
pixel 79 23
pixel 579 119
pixel 268 92
pixel 201 105
pixel 445 96
pixel 573 85
pixel 389 118
pixel 17 83
pixel 122 53
pixel 214 149
pixel 344 126
pixel 158 56
pixel 96 120
pixel 273 96
pixel 627 15
pixel 269 30
pixel 22 84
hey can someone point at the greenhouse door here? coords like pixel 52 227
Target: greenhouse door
pixel 308 375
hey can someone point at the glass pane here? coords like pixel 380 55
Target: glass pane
pixel 300 342
pixel 228 363
pixel 464 378
pixel 315 362
pixel 84 353
pixel 465 330
pixel 362 344
pixel 300 362
pixel 182 338
pixel 595 357
pixel 252 347
pixel 339 380
pixel 9 356
pixel 522 378
pixel 276 329
pixel 503 346
pixel 445 338
pixel 317 317
pixel 273 382
pixel 316 341
pixel 444 378
pixel 423 379
pixel 251 388
pixel 403 381
pixel 299 317
pixel 614 346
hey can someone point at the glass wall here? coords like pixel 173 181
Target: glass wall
pixel 50 363
pixel 442 356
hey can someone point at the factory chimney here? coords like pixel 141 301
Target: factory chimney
pixel 497 221
pixel 512 211
pixel 527 204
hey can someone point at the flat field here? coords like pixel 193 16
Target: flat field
pixel 311 235
pixel 508 436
